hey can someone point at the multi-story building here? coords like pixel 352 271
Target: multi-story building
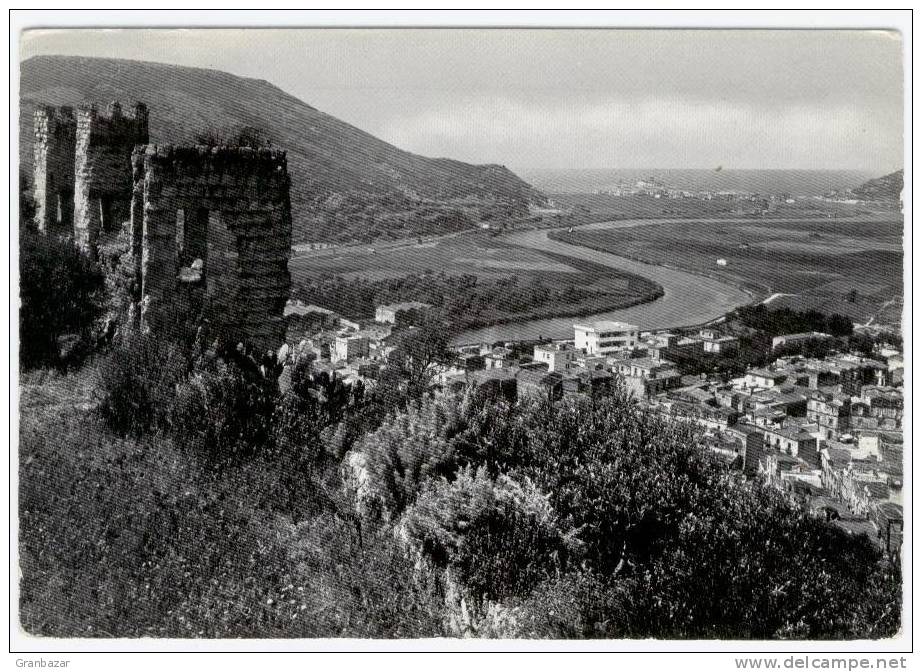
pixel 878 408
pixel 498 383
pixel 847 372
pixel 712 342
pixel 308 319
pixel 401 313
pixel 832 412
pixel 500 357
pixel 557 356
pixel 647 376
pixel 586 382
pixel 764 378
pixel 792 440
pixel 751 441
pixel 539 384
pixel 605 337
pixel 793 339
pixel 349 347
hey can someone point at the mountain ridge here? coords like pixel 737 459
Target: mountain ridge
pixel 346 183
pixel 886 188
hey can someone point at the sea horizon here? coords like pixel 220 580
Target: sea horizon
pixel 803 183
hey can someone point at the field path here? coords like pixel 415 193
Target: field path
pixel 776 295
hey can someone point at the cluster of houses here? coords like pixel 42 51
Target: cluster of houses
pixel 826 431
pixel 659 189
pixel 353 349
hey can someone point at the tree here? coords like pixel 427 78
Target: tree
pixel 418 355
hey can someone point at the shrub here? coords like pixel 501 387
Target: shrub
pixel 576 605
pixel 137 382
pixel 61 292
pixel 500 537
pixel 408 449
pixel 223 414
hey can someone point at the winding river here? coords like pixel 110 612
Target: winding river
pixel 687 299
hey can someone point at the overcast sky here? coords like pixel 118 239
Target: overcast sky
pixel 569 98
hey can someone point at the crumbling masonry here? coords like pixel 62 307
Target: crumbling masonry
pixel 214 224
pixel 210 227
pixel 53 177
pixel 82 171
pixel 102 183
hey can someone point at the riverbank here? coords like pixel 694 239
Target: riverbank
pixel 686 299
pixel 756 291
pixel 503 285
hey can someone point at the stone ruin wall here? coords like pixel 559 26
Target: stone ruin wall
pixel 53 168
pixel 102 169
pixel 228 208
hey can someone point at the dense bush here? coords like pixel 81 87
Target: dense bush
pixel 409 449
pixel 138 379
pixel 501 538
pixel 224 415
pixel 62 294
pixel 670 543
pixel 780 321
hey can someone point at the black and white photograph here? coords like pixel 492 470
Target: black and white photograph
pixel 460 334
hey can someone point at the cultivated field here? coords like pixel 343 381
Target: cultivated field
pixel 563 285
pixel 849 265
pixel 474 253
pixel 585 208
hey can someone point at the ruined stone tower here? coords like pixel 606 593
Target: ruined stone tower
pixel 53 169
pixel 102 169
pixel 210 227
pixel 213 225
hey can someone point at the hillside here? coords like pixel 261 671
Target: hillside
pixel 347 184
pixel 886 188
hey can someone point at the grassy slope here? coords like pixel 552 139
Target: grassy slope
pixel 130 538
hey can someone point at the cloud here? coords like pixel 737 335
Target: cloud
pixel 571 98
pixel 651 132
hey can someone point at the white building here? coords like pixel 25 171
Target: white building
pixel 408 311
pixel 349 347
pixel 557 356
pixel 713 342
pixel 764 378
pixel 602 338
pixel 789 339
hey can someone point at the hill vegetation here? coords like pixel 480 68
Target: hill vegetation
pixel 886 188
pixel 345 182
pixel 174 487
pixel 461 516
